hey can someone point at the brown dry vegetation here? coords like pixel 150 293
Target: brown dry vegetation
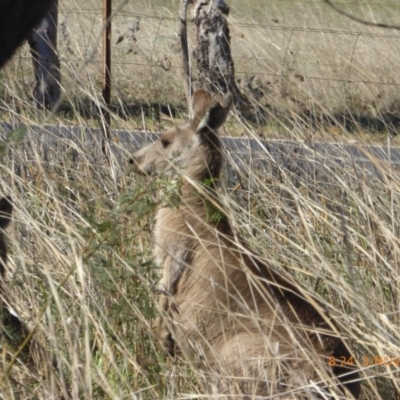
pixel 80 270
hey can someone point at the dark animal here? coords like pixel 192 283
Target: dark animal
pixel 17 19
pixel 10 320
pixel 5 217
pixel 255 332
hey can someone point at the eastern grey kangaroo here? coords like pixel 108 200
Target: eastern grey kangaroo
pixel 256 332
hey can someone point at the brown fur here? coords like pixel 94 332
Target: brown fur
pixel 228 312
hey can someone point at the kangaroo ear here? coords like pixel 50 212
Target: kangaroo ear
pixel 201 103
pixel 216 114
pixel 5 212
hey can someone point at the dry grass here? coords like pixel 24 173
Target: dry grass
pixel 81 272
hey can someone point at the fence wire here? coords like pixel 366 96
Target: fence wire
pixel 316 56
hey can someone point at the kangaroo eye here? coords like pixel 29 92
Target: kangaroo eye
pixel 165 143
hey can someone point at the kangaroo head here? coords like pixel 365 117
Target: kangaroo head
pixel 5 216
pixel 188 148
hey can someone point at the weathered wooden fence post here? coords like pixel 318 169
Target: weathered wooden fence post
pixel 46 64
pixel 212 53
pixel 215 67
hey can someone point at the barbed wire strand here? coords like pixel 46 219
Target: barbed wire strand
pixel 360 20
pixel 246 24
pixel 281 75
